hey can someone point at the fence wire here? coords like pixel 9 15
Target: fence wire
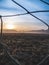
pixel 16 62
pixel 44 2
pixel 26 13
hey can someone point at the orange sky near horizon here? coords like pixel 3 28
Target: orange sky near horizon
pixel 25 22
pixel 19 24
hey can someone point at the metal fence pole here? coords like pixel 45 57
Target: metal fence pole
pixel 1 27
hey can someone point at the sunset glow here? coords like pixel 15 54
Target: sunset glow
pixel 10 26
pixel 26 22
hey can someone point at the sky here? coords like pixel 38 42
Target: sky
pixel 25 22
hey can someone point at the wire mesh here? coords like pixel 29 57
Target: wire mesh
pixel 5 47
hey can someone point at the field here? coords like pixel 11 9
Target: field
pixel 28 49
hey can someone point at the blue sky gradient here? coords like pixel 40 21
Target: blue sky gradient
pixel 7 7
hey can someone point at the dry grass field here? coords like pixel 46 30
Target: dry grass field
pixel 28 48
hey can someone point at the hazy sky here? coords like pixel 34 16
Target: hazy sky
pixel 25 22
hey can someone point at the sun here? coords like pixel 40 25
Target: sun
pixel 10 26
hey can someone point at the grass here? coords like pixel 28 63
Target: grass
pixel 28 48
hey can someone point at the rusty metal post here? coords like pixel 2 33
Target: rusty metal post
pixel 1 27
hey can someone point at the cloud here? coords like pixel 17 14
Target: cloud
pixel 9 8
pixel 8 4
